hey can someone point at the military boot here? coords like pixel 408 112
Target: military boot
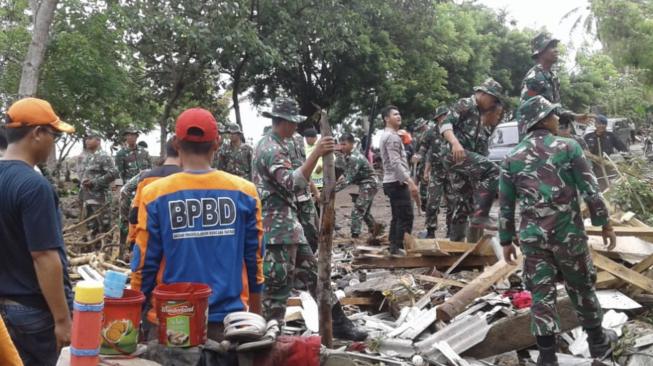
pixel 343 328
pixel 430 233
pixel 547 356
pixel 601 345
pixel 457 232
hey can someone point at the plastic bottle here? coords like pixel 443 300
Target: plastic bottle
pixel 87 324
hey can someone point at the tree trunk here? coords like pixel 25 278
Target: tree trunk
pixel 326 239
pixel 238 75
pixel 234 98
pixel 43 15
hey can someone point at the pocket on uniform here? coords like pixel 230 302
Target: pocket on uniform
pixel 28 320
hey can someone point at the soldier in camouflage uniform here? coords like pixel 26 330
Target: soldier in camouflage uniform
pixel 289 262
pixel 235 157
pixel 132 159
pixel 544 173
pixel 474 179
pixel 542 79
pixel 307 212
pixel 359 171
pixel 435 175
pixel 97 173
pixel 422 126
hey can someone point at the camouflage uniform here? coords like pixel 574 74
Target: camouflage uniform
pixel 430 148
pixel 98 168
pixel 358 170
pixel 236 160
pixel 289 262
pixel 544 173
pixel 474 181
pixel 130 162
pixel 306 207
pixel 421 128
pixel 539 81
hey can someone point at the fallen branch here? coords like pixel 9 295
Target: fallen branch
pixel 97 238
pixel 93 217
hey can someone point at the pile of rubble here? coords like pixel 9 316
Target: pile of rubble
pixel 453 303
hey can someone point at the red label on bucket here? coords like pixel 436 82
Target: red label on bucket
pixel 182 311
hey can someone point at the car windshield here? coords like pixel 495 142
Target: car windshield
pixel 505 136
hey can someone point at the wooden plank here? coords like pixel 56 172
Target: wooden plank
pixel 623 272
pixel 439 280
pixel 414 245
pixel 420 262
pixel 607 280
pixel 514 333
pixel 458 302
pixel 645 233
pixel 481 243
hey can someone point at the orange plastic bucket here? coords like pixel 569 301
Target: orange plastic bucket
pixel 182 311
pixel 121 324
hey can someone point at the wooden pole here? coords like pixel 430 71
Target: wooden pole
pixel 324 292
pixel 513 333
pixel 458 302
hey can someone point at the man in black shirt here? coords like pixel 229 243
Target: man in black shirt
pixel 603 140
pixel 35 294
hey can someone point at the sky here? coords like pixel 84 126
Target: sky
pixel 533 14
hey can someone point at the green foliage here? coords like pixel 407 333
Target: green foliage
pixel 625 27
pixel 88 76
pixel 634 193
pixel 598 84
pixel 14 39
pixel 415 54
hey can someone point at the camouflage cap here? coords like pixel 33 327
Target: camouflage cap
pixel 285 108
pixel 130 130
pixel 233 128
pixel 92 133
pixel 420 122
pixel 492 87
pixel 439 111
pixel 541 42
pixel 533 111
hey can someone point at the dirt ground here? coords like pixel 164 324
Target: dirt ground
pixel 380 211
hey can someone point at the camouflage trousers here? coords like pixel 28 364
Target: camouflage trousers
pixel 423 186
pixel 460 198
pixel 102 223
pixel 307 213
pixel 287 267
pixel 123 224
pixel 361 211
pixel 476 178
pixel 438 187
pixel 542 268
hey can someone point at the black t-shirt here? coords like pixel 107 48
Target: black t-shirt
pixel 30 221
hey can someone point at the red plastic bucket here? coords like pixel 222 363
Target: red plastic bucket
pixel 121 324
pixel 182 310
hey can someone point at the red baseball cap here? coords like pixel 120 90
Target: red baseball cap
pixel 196 125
